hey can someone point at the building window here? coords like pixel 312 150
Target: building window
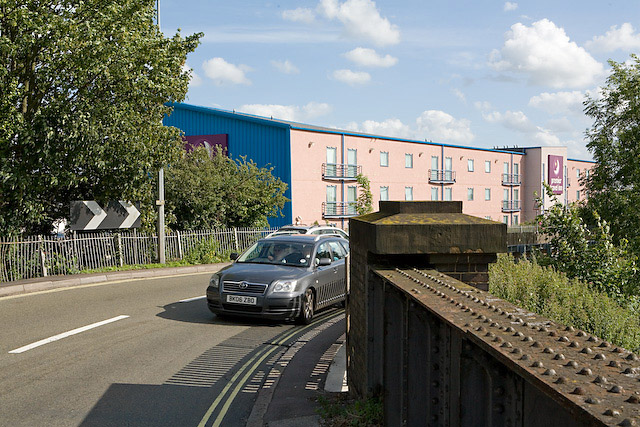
pixel 331 207
pixel 352 197
pixel 408 193
pixel 434 193
pixel 470 165
pixel 352 162
pixel 578 195
pixel 384 159
pixel 408 160
pixel 469 193
pixel 515 220
pixel 586 173
pixel 578 173
pixel 487 166
pixel 384 193
pixel 447 194
pixel 505 219
pixel 332 159
pixel 487 194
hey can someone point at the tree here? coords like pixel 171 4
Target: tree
pixel 365 198
pixel 613 186
pixel 84 86
pixel 205 192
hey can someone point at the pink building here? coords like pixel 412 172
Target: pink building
pixel 320 166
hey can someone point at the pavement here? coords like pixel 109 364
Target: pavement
pixel 317 367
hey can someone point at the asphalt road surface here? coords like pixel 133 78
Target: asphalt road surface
pixel 138 353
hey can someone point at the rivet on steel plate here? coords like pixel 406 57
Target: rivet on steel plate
pixel 592 339
pixel 569 329
pixel 536 344
pixel 574 344
pixel 516 351
pixel 561 380
pixel 600 380
pixel 542 329
pixel 578 390
pixel 633 399
pixel 627 422
pixel 553 334
pixel 495 325
pixel 632 357
pixel 519 320
pixel 615 364
pixel 480 329
pixel 586 350
pixel 592 400
pixel 490 334
pixel 497 339
pixel 537 364
pixel 510 316
pixel 629 371
pixel 466 325
pixel 559 356
pixel 506 345
pixel 518 334
pixel 549 372
pixel 600 356
pixel 581 334
pixel 611 413
pixel 604 344
pixel 563 339
pixel 571 364
pixel 525 324
pixel 509 329
pixel 548 350
pixel 528 339
pixel 585 371
pixel 525 357
pixel 618 350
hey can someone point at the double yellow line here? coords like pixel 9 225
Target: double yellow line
pixel 247 370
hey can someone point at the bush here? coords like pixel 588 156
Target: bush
pixel 206 252
pixel 552 294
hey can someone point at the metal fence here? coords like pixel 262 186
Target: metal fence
pixel 39 256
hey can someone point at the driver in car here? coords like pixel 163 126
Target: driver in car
pixel 279 253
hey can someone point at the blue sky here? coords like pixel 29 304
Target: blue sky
pixel 475 73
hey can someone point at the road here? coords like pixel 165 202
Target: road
pixel 142 352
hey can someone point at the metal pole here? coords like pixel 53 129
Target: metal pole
pixel 160 203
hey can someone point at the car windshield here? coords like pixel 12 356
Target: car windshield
pixel 280 253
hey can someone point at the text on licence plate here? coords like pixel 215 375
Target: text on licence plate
pixel 237 299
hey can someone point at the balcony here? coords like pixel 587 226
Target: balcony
pixel 511 206
pixel 510 180
pixel 439 176
pixel 339 209
pixel 340 172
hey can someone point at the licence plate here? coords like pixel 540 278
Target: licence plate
pixel 237 299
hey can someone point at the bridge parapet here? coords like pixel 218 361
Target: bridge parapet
pixel 442 352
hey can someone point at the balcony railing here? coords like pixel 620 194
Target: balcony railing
pixel 510 179
pixel 510 205
pixel 340 171
pixel 339 209
pixel 439 176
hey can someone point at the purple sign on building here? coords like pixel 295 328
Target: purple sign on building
pixel 210 142
pixel 556 174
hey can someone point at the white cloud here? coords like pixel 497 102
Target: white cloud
pixel 300 14
pixel 559 102
pixel 482 105
pixel 442 127
pixel 285 67
pixel 509 6
pixel 361 19
pixel 561 125
pixel 546 55
pixel 514 120
pixel 370 58
pixel 352 77
pixel 460 95
pixel 287 112
pixel 546 137
pixel 623 38
pixel 389 127
pixel 222 72
pixel 195 79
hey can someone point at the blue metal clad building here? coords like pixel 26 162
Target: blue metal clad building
pixel 264 141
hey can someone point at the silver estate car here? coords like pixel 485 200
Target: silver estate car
pixel 282 278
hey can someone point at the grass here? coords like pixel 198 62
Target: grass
pixel 340 410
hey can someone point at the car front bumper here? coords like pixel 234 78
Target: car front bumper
pixel 267 307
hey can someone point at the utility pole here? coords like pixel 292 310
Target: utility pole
pixel 160 202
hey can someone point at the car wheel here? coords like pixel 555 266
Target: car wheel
pixel 307 309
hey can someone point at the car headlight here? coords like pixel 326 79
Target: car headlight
pixel 214 282
pixel 284 286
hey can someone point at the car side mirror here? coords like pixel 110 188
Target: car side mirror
pixel 324 261
pixel 233 256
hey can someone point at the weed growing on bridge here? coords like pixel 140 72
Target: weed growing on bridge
pixel 340 411
pixel 550 293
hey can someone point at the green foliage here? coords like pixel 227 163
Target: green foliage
pixel 589 254
pixel 342 411
pixel 613 187
pixel 205 192
pixel 84 86
pixel 365 198
pixel 552 294
pixel 206 251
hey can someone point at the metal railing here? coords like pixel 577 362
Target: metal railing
pixel 339 209
pixel 41 256
pixel 510 179
pixel 440 176
pixel 340 171
pixel 510 205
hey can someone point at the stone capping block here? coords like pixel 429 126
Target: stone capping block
pixel 426 228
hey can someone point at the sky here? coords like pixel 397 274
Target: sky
pixel 475 73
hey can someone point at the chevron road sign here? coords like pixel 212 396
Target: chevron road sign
pixel 87 215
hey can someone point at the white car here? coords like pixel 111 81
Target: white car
pixel 316 230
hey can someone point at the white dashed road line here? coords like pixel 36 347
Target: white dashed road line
pixel 193 299
pixel 66 334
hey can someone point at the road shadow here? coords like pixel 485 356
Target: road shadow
pixel 196 311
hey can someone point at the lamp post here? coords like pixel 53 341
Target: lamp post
pixel 160 201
